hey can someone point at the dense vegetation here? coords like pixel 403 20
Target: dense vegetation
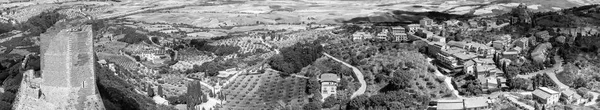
pixel 213 67
pixel 296 57
pixel 38 24
pixel 117 94
pixel 393 100
pixel 11 82
pixel 131 36
pixel 400 76
pixel 220 50
pixel 194 95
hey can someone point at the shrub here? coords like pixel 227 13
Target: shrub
pixel 330 102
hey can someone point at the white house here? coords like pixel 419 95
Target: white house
pixel 329 83
pixel 546 95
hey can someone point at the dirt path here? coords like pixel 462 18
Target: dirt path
pixel 363 85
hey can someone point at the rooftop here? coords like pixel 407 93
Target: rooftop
pixel 360 33
pixel 544 92
pixel 464 56
pixel 483 68
pixel 397 27
pixel 456 44
pixel 414 25
pixel 484 60
pixel 478 45
pixel 570 92
pixel 450 105
pixel 476 102
pixel 330 77
pixel 512 52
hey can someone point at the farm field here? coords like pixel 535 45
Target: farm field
pixel 265 90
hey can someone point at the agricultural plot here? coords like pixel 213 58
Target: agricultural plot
pixel 120 60
pixel 264 91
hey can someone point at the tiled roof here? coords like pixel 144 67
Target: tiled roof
pixel 456 44
pixel 484 60
pixel 570 92
pixel 450 105
pixel 330 77
pixel 397 27
pixel 476 102
pixel 478 45
pixel 414 25
pixel 544 92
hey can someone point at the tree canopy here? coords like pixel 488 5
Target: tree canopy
pixel 296 57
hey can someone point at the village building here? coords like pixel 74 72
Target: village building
pixel 522 43
pixel 399 34
pixel 426 22
pixel 329 83
pixel 498 45
pixel 436 47
pixel 425 34
pixel 571 97
pixel 502 82
pixel 478 66
pixel 481 49
pixel 437 38
pixel 361 36
pixel 451 22
pixel 511 54
pixel 454 58
pixel 491 85
pixel 546 95
pixel 413 28
pixel 383 34
pixel 479 103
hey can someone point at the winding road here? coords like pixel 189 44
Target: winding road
pixel 363 85
pixel 551 72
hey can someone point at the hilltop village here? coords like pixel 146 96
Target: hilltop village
pixel 237 59
pixel 483 65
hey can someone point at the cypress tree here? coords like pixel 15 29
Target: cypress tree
pixel 150 91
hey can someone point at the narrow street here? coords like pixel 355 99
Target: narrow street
pixel 363 85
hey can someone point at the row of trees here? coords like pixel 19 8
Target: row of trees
pixel 210 68
pixel 221 50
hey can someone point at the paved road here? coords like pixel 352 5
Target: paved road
pixel 363 85
pixel 558 68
